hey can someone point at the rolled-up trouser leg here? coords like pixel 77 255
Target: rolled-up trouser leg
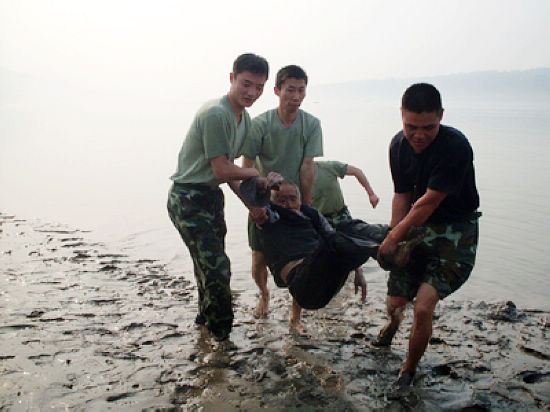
pixel 321 276
pixel 198 216
pixel 314 282
pixel 374 232
pixel 355 241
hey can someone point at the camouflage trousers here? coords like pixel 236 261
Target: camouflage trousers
pixel 343 215
pixel 197 213
pixel 444 259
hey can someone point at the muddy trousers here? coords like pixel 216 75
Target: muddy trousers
pixel 320 277
pixel 197 213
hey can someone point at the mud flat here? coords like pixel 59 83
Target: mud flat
pixel 83 326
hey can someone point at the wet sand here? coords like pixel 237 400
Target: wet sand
pixel 83 326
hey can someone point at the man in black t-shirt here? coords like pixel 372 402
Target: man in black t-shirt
pixel 434 187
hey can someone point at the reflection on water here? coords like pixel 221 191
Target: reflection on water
pixel 106 169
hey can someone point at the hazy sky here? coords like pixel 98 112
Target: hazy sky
pixel 154 42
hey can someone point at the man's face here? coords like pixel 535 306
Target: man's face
pixel 246 87
pixel 420 128
pixel 291 94
pixel 287 197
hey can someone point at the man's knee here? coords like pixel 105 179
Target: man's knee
pixel 258 259
pixel 259 265
pixel 396 305
pixel 423 312
pixel 426 301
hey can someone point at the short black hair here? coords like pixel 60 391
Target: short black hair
pixel 250 62
pixel 290 71
pixel 422 97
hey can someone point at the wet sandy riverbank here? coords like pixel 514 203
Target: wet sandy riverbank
pixel 84 326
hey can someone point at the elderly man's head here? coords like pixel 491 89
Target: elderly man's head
pixel 288 196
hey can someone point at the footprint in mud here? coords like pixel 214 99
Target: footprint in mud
pixel 108 268
pixel 18 326
pixel 534 352
pixel 535 377
pixel 119 396
pixel 35 314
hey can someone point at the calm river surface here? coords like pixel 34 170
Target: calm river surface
pixel 105 167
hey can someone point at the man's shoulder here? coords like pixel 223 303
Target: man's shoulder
pixel 452 132
pixel 265 117
pixel 308 118
pixel 453 138
pixel 398 139
pixel 219 107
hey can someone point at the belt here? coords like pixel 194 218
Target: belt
pixel 194 186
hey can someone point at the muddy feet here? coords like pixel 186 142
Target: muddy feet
pixel 262 309
pixel 401 390
pixel 295 326
pixel 200 319
pixel 385 336
pixel 220 331
pixel 404 380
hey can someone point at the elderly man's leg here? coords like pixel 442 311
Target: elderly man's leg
pixel 295 322
pixel 260 273
pixel 359 282
pixel 421 331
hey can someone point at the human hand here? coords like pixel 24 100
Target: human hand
pixel 261 184
pixel 258 215
pixel 274 179
pixel 359 282
pixel 387 247
pixel 373 199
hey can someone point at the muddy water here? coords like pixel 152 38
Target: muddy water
pixel 83 326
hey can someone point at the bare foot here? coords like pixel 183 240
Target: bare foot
pixel 262 309
pixel 295 326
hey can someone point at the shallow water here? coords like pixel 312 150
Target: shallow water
pixel 98 313
pixel 105 168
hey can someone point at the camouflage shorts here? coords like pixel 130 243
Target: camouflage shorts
pixel 197 213
pixel 341 216
pixel 254 238
pixel 444 259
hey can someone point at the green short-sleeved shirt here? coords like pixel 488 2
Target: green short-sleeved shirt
pixel 327 195
pixel 278 149
pixel 214 132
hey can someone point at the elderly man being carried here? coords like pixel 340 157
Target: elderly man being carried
pixel 307 255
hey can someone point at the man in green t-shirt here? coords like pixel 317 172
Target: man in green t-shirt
pixel 195 201
pixel 283 140
pixel 327 197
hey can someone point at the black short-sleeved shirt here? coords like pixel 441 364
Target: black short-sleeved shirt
pixel 446 165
